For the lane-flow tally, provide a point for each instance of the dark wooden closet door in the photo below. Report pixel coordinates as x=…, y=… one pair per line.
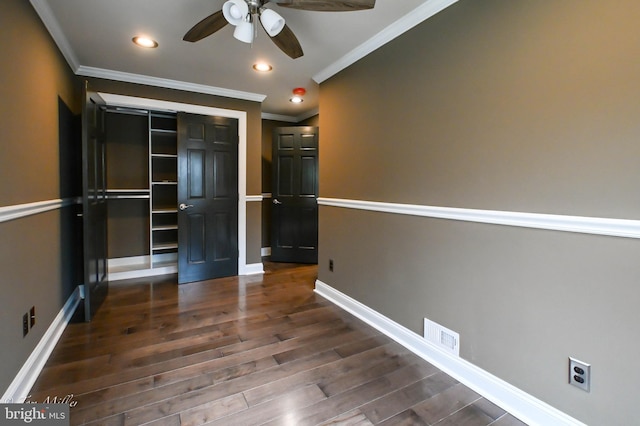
x=94, y=202
x=207, y=197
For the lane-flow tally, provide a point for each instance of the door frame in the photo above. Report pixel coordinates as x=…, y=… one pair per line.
x=296, y=202
x=241, y=116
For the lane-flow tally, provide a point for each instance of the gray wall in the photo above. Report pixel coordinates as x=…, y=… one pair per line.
x=35, y=252
x=500, y=105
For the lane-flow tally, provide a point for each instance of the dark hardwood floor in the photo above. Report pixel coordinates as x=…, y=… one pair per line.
x=246, y=351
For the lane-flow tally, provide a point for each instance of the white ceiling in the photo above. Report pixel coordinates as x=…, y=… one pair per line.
x=95, y=38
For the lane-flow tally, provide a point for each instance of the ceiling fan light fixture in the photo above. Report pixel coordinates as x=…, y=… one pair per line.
x=235, y=11
x=244, y=32
x=272, y=22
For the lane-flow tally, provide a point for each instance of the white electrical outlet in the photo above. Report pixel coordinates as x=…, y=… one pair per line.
x=580, y=374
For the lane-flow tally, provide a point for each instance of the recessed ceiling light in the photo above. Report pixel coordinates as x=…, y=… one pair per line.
x=145, y=42
x=262, y=67
x=296, y=100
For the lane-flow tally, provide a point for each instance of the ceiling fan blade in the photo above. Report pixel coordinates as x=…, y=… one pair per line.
x=288, y=43
x=327, y=5
x=206, y=27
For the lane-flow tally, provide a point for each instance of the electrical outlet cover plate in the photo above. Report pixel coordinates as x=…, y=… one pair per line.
x=580, y=374
x=25, y=324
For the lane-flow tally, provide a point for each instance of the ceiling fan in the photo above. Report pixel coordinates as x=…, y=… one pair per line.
x=244, y=14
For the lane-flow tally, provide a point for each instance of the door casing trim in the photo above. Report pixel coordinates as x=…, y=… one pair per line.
x=241, y=116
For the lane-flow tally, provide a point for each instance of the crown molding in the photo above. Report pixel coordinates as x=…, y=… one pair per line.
x=290, y=118
x=308, y=114
x=415, y=17
x=402, y=25
x=53, y=26
x=279, y=117
x=167, y=83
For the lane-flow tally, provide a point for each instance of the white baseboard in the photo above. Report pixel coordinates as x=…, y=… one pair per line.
x=265, y=251
x=21, y=385
x=138, y=267
x=517, y=402
x=253, y=269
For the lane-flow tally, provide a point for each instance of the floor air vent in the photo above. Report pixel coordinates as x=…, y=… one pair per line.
x=442, y=337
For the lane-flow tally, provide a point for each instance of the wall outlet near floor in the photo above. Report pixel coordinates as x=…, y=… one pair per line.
x=580, y=374
x=25, y=324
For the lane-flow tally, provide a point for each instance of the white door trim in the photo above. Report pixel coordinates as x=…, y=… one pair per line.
x=241, y=116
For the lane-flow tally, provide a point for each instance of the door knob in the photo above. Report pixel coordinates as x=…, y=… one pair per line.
x=276, y=201
x=184, y=206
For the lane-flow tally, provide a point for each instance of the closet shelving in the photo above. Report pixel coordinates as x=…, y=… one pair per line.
x=143, y=184
x=128, y=194
x=163, y=181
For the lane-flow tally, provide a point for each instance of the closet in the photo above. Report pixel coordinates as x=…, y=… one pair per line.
x=142, y=177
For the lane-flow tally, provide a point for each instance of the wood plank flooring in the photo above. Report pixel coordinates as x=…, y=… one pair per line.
x=258, y=350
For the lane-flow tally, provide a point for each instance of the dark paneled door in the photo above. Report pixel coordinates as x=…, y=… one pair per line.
x=94, y=202
x=294, y=217
x=207, y=197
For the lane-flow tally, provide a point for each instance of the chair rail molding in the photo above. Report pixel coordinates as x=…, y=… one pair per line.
x=582, y=224
x=23, y=210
